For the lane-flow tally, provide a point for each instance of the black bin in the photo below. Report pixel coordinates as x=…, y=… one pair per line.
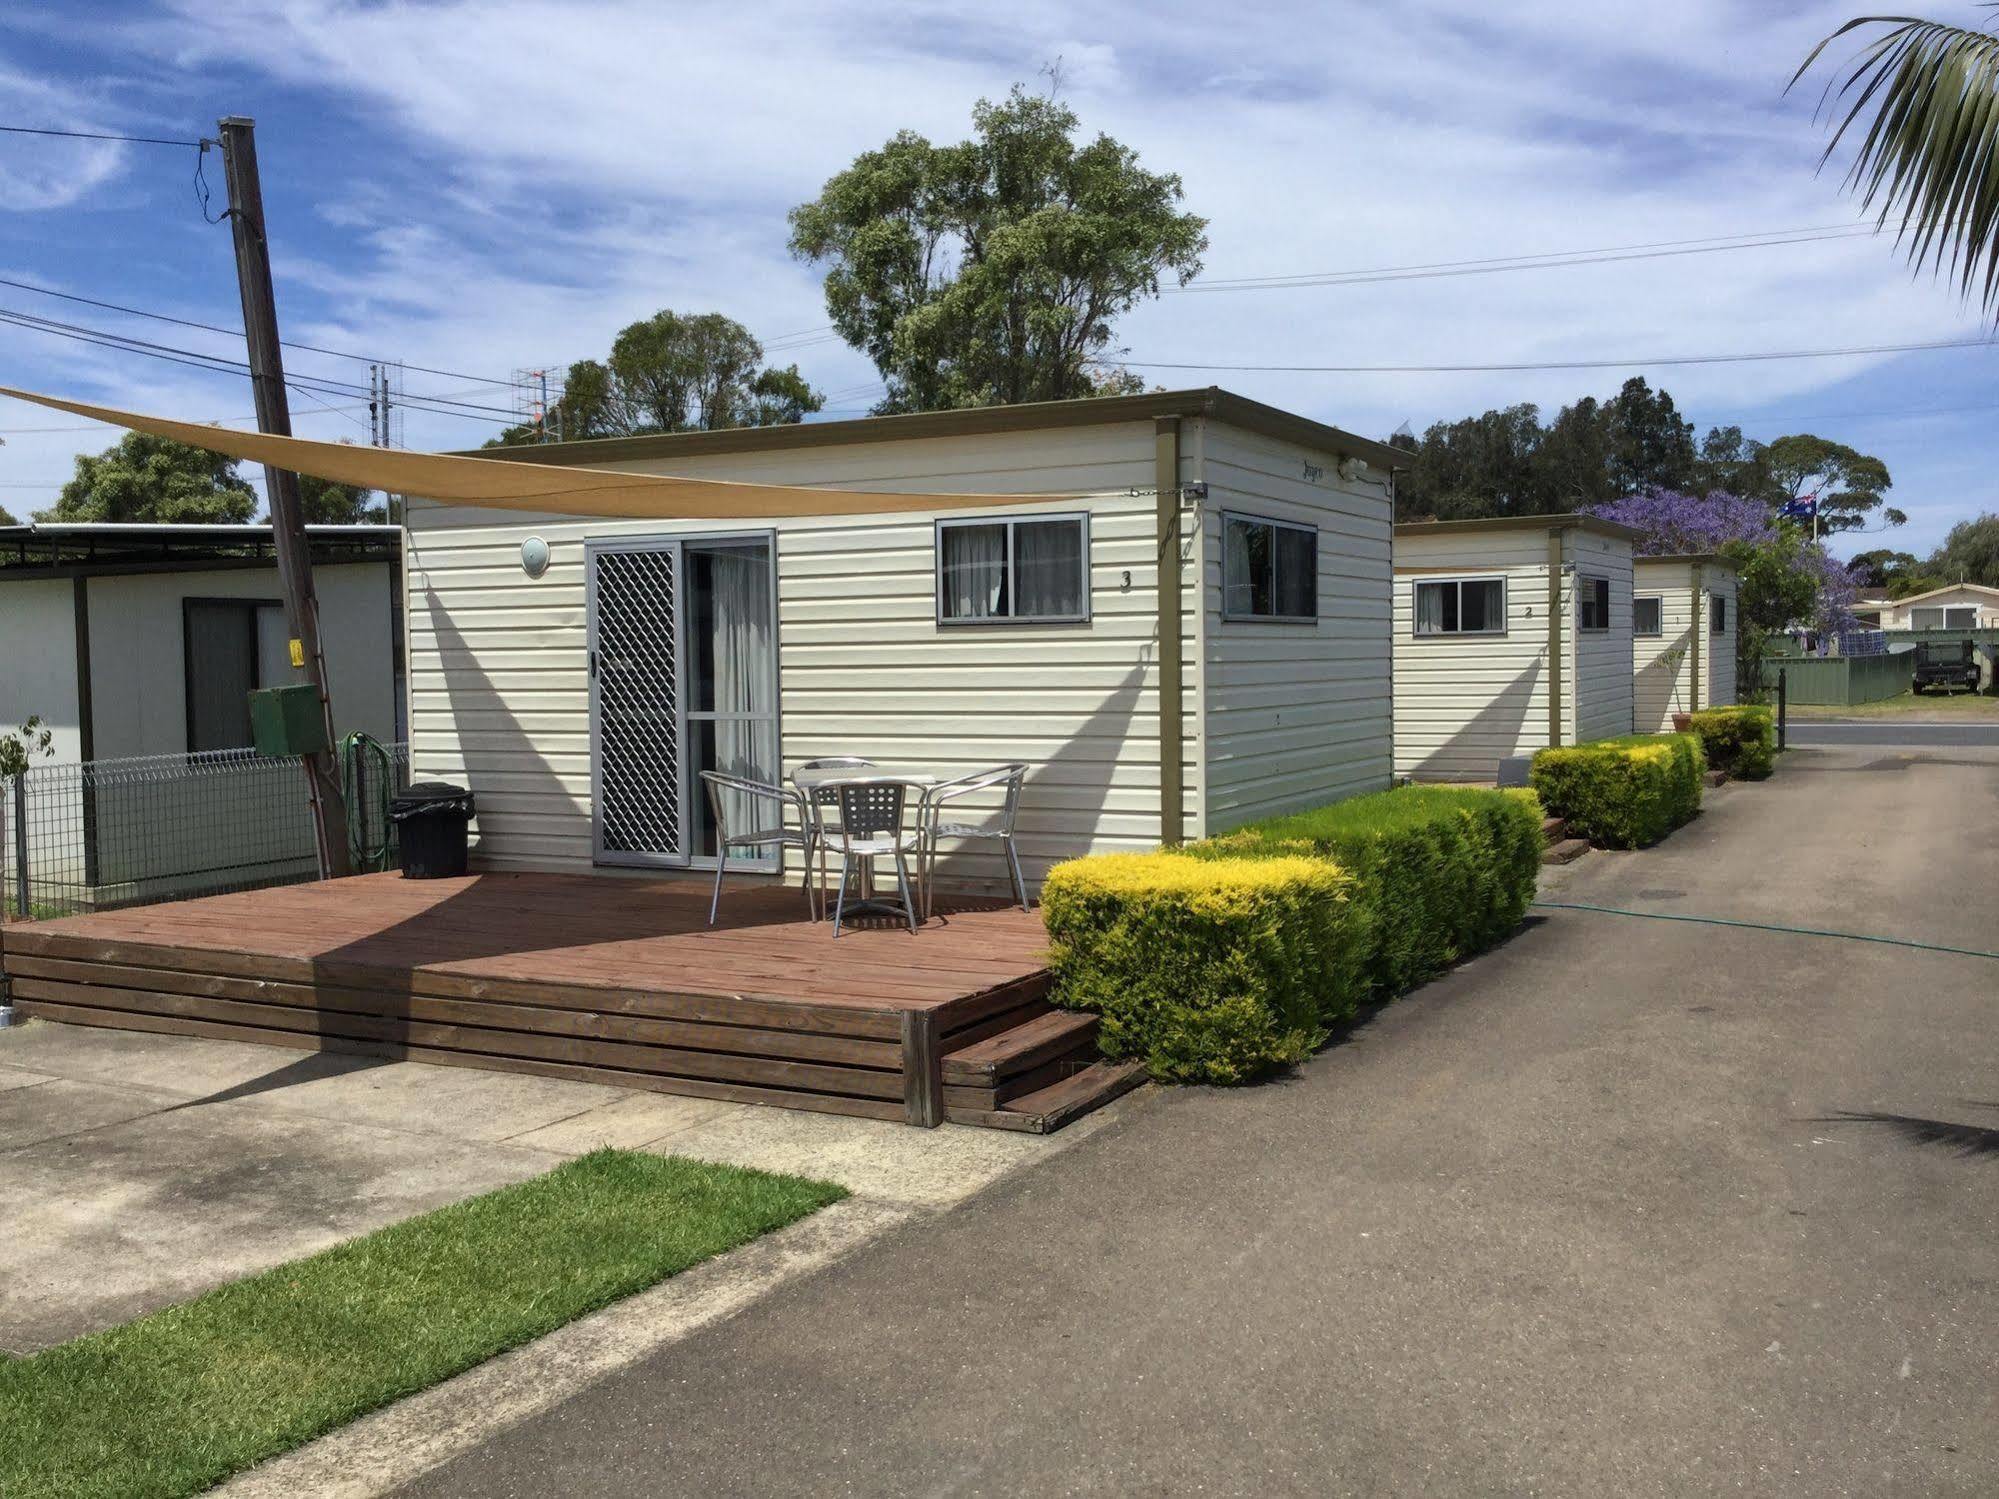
x=430, y=819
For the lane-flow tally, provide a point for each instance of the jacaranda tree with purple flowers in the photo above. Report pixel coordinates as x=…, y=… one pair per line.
x=1784, y=578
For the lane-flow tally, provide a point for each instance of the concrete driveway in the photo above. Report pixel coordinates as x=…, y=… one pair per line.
x=1626, y=1207
x=137, y=1170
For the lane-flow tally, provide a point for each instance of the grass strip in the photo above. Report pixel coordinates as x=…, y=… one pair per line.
x=174, y=1402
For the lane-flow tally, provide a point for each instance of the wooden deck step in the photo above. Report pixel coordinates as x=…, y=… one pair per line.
x=1047, y=1109
x=1717, y=778
x=1054, y=1036
x=1565, y=852
x=1554, y=829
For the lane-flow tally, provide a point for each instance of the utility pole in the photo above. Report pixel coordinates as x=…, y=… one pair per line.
x=267, y=381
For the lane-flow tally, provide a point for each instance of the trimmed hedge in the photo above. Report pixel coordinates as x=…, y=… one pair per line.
x=1741, y=740
x=1211, y=971
x=1623, y=793
x=1441, y=872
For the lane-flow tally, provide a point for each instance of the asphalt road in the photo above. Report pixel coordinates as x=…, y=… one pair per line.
x=1888, y=731
x=1628, y=1207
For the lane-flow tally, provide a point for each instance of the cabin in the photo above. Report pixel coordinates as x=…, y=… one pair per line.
x=1683, y=637
x=1961, y=606
x=1512, y=633
x=579, y=673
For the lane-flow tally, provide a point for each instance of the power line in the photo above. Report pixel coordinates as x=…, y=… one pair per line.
x=1552, y=260
x=1557, y=364
x=98, y=135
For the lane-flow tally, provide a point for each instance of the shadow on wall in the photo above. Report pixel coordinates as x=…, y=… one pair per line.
x=1085, y=765
x=1497, y=730
x=1661, y=687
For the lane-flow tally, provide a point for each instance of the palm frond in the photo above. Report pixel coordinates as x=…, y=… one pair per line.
x=1930, y=151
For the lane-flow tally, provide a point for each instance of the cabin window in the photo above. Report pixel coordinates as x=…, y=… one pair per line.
x=1270, y=570
x=1646, y=618
x=231, y=648
x=1943, y=617
x=1717, y=614
x=1592, y=603
x=1461, y=606
x=1032, y=570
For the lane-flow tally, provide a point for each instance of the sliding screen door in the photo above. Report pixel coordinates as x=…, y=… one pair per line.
x=683, y=678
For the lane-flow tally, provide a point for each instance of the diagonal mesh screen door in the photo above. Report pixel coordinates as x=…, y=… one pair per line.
x=635, y=694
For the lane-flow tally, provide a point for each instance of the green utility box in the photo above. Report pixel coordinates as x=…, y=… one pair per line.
x=287, y=721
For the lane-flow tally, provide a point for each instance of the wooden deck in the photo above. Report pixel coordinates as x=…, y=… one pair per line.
x=602, y=979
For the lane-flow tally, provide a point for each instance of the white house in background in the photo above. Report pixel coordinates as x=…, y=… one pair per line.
x=579, y=673
x=146, y=640
x=1962, y=606
x=1511, y=633
x=1683, y=636
x=135, y=641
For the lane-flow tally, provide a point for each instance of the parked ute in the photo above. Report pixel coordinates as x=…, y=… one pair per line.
x=1945, y=663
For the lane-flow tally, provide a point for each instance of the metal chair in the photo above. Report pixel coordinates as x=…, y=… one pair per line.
x=932, y=824
x=758, y=793
x=824, y=798
x=870, y=826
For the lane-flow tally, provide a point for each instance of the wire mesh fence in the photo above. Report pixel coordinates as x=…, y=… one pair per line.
x=112, y=833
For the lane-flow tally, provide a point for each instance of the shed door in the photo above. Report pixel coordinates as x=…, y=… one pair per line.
x=640, y=803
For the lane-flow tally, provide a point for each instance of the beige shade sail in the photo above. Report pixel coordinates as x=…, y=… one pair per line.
x=498, y=484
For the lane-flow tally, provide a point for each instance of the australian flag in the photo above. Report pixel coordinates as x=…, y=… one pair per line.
x=1804, y=507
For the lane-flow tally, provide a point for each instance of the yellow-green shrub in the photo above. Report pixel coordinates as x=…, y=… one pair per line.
x=1209, y=971
x=1741, y=740
x=1441, y=872
x=1623, y=793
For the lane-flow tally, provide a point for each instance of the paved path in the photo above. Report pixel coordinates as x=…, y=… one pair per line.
x=1627, y=1207
x=1890, y=731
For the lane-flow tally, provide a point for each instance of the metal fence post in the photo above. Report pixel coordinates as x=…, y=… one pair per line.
x=1783, y=705
x=21, y=908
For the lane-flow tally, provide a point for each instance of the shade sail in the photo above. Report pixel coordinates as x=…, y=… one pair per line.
x=500, y=484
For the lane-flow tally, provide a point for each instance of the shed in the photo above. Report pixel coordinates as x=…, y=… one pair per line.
x=1683, y=629
x=580, y=672
x=1511, y=633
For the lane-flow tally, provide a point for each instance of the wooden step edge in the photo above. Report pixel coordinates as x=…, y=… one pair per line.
x=1042, y=1039
x=1566, y=852
x=999, y=1091
x=1554, y=829
x=1069, y=1100
x=1716, y=778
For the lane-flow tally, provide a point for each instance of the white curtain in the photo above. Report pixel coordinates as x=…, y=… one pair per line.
x=1430, y=607
x=974, y=571
x=1048, y=569
x=740, y=614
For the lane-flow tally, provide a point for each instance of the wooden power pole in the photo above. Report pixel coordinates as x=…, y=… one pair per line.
x=267, y=380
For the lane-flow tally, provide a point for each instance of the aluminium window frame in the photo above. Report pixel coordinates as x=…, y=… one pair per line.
x=1648, y=598
x=1002, y=621
x=1231, y=616
x=1459, y=580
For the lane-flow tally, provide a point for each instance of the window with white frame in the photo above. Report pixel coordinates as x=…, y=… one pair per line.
x=1270, y=570
x=1592, y=603
x=1647, y=617
x=1944, y=617
x=1031, y=570
x=1717, y=614
x=1460, y=606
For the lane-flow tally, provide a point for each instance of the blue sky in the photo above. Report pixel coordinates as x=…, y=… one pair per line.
x=488, y=185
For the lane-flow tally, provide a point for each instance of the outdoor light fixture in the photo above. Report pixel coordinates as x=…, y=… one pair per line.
x=534, y=556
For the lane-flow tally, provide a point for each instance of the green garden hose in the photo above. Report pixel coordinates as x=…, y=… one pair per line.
x=367, y=781
x=1766, y=926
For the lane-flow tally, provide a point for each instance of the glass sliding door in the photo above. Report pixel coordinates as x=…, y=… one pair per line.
x=730, y=630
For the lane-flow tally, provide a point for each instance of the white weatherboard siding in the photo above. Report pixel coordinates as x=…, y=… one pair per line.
x=1296, y=715
x=1600, y=687
x=38, y=662
x=499, y=689
x=1720, y=649
x=1463, y=703
x=1662, y=664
